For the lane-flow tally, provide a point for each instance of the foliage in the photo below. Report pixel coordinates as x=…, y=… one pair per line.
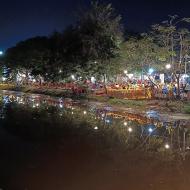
x=175, y=39
x=84, y=49
x=101, y=36
x=95, y=46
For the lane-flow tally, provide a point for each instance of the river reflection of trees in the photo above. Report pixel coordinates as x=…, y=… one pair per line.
x=43, y=117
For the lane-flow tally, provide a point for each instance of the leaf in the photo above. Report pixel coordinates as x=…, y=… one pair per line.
x=186, y=20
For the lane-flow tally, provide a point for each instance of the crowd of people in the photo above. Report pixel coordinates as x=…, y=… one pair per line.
x=129, y=89
x=157, y=90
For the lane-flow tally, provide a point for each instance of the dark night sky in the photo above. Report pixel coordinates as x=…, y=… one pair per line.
x=21, y=19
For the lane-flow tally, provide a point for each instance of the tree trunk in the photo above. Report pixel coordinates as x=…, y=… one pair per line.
x=105, y=88
x=152, y=82
x=178, y=86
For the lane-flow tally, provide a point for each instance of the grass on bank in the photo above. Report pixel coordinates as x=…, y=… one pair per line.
x=187, y=108
x=50, y=92
x=119, y=102
x=128, y=103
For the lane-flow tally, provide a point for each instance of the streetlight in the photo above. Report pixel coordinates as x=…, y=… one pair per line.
x=130, y=129
x=73, y=77
x=168, y=66
x=151, y=70
x=150, y=130
x=125, y=71
x=167, y=146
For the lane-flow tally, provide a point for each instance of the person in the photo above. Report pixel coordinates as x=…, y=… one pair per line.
x=165, y=91
x=174, y=91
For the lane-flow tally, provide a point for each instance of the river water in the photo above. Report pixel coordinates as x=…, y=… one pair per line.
x=54, y=144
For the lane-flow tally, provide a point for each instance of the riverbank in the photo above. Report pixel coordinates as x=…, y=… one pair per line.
x=163, y=106
x=36, y=90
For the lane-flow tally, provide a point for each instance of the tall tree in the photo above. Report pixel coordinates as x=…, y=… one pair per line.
x=172, y=36
x=141, y=54
x=101, y=35
x=26, y=56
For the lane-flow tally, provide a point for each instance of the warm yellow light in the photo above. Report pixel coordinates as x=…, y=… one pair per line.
x=167, y=146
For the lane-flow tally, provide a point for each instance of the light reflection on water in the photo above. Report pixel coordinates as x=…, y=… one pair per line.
x=144, y=132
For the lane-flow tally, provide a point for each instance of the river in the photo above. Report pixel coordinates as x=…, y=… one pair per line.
x=53, y=143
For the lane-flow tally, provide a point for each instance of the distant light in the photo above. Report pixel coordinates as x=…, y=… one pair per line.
x=72, y=113
x=85, y=112
x=60, y=71
x=185, y=76
x=125, y=123
x=130, y=129
x=37, y=104
x=150, y=130
x=167, y=146
x=73, y=77
x=130, y=76
x=151, y=70
x=1, y=52
x=34, y=80
x=93, y=79
x=168, y=66
x=107, y=121
x=125, y=71
x=61, y=105
x=96, y=128
x=117, y=85
x=3, y=79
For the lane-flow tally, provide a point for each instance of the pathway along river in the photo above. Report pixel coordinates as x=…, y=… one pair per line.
x=58, y=144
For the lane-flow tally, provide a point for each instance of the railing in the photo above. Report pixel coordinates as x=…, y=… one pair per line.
x=145, y=93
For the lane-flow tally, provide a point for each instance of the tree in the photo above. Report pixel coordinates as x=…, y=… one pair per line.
x=28, y=56
x=101, y=36
x=142, y=54
x=175, y=39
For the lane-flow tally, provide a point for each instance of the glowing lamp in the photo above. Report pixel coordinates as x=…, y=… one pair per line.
x=168, y=66
x=167, y=146
x=150, y=130
x=130, y=129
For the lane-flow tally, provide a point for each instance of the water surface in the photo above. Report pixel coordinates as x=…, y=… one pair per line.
x=53, y=143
